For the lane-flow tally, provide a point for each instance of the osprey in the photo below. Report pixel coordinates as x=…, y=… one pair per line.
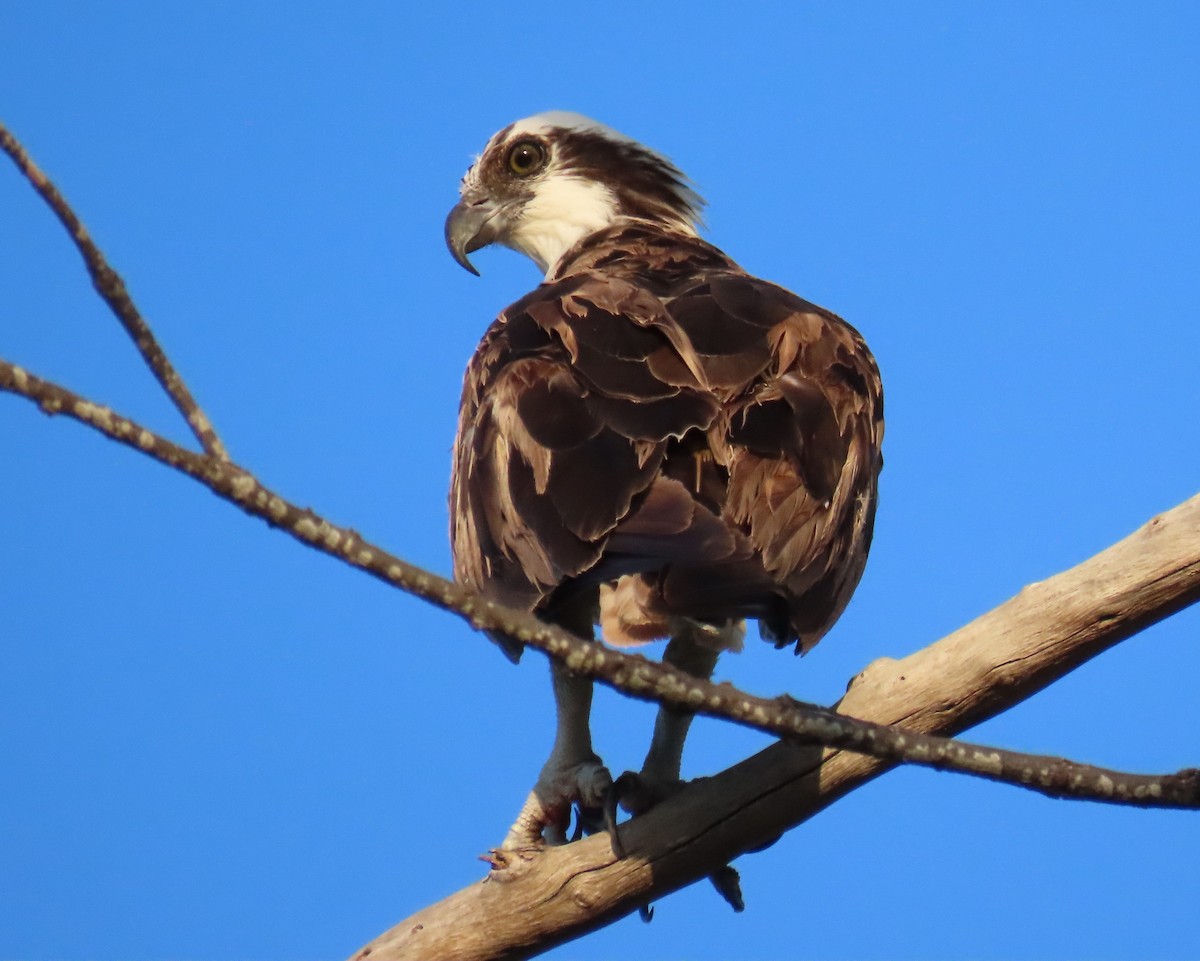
x=652, y=439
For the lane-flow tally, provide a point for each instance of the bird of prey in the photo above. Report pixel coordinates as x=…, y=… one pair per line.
x=651, y=440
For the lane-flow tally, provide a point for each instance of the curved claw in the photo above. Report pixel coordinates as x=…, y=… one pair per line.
x=593, y=820
x=610, y=822
x=588, y=821
x=728, y=883
x=546, y=815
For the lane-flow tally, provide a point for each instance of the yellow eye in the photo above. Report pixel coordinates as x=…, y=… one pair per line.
x=526, y=158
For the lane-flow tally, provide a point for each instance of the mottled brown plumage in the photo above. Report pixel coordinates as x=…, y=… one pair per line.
x=651, y=438
x=652, y=410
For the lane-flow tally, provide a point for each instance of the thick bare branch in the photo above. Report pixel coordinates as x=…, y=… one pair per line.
x=112, y=290
x=978, y=671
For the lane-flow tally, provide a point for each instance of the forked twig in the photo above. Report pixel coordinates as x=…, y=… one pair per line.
x=112, y=290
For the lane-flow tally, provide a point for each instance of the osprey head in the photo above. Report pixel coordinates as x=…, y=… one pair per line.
x=544, y=183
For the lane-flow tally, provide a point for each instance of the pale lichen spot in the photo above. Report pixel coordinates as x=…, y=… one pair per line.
x=307, y=529
x=94, y=413
x=365, y=558
x=278, y=510
x=20, y=378
x=332, y=538
x=640, y=679
x=1104, y=785
x=989, y=761
x=242, y=486
x=145, y=440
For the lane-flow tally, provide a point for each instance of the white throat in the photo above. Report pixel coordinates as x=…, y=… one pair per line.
x=562, y=212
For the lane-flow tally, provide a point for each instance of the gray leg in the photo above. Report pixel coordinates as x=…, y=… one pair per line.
x=573, y=773
x=693, y=648
x=671, y=727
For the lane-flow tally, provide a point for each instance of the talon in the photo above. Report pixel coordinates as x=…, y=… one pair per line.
x=610, y=823
x=646, y=913
x=729, y=885
x=589, y=820
x=602, y=817
x=546, y=816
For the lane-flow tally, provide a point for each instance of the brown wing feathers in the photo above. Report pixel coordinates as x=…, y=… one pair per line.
x=658, y=413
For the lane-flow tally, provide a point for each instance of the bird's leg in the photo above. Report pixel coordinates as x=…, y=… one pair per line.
x=693, y=648
x=573, y=774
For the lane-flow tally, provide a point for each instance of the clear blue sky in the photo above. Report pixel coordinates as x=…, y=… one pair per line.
x=218, y=746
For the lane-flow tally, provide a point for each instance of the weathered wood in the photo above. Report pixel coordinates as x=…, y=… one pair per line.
x=994, y=662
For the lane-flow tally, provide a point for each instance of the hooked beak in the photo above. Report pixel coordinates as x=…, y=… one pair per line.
x=474, y=223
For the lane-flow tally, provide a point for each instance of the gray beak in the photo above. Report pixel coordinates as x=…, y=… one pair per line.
x=472, y=224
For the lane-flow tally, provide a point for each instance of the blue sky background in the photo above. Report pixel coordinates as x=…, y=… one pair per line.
x=216, y=745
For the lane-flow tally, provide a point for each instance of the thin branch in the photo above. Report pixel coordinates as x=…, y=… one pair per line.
x=631, y=674
x=112, y=290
